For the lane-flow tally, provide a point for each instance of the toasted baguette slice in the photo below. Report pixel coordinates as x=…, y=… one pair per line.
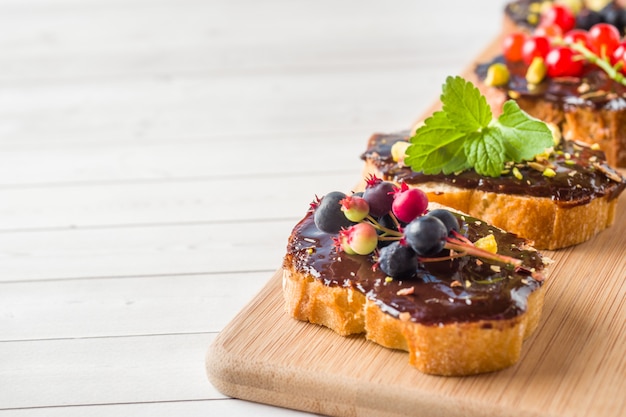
x=467, y=326
x=579, y=202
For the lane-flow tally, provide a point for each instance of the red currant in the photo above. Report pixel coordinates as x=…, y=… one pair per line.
x=512, y=46
x=563, y=62
x=559, y=15
x=619, y=57
x=603, y=39
x=549, y=31
x=577, y=36
x=535, y=46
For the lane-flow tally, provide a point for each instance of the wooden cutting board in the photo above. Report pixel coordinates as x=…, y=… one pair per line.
x=573, y=365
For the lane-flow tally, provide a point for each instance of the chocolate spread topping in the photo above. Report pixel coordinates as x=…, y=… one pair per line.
x=594, y=89
x=484, y=293
x=579, y=174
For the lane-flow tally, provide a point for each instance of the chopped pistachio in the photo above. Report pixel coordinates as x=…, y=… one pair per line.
x=487, y=243
x=537, y=166
x=398, y=151
x=549, y=172
x=536, y=71
x=497, y=75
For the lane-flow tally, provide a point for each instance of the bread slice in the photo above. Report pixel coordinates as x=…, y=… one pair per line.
x=590, y=109
x=455, y=317
x=552, y=212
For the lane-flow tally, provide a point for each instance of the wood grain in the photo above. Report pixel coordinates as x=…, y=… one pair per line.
x=574, y=365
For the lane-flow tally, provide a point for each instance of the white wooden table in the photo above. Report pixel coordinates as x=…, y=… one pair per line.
x=154, y=155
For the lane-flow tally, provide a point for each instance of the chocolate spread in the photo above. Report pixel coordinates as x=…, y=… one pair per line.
x=594, y=89
x=459, y=290
x=578, y=178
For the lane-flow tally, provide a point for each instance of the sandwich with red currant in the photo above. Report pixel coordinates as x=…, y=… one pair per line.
x=569, y=70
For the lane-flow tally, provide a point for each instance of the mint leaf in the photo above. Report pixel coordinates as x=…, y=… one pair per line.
x=466, y=108
x=464, y=135
x=524, y=136
x=439, y=149
x=485, y=152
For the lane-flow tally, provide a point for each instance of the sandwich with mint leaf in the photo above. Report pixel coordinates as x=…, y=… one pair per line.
x=512, y=171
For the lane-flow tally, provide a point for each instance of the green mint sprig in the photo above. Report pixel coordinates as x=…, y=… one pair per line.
x=464, y=135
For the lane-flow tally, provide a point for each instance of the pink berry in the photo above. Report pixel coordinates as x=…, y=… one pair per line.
x=341, y=243
x=409, y=203
x=362, y=238
x=355, y=208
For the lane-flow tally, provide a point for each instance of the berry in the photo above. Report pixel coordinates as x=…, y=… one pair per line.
x=563, y=62
x=603, y=39
x=397, y=260
x=426, y=235
x=535, y=46
x=577, y=36
x=512, y=46
x=328, y=216
x=549, y=31
x=379, y=195
x=362, y=238
x=447, y=218
x=587, y=18
x=614, y=15
x=341, y=243
x=389, y=222
x=619, y=57
x=560, y=16
x=355, y=208
x=408, y=203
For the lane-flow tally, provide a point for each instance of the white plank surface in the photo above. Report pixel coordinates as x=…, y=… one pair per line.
x=154, y=155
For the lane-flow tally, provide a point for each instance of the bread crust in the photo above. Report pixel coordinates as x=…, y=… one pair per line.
x=452, y=349
x=546, y=224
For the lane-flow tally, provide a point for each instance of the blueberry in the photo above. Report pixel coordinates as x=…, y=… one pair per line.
x=448, y=219
x=587, y=18
x=426, y=235
x=328, y=216
x=397, y=260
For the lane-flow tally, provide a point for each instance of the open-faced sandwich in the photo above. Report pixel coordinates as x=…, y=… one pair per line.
x=455, y=292
x=513, y=172
x=568, y=69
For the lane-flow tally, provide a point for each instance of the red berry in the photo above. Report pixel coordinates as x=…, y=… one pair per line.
x=603, y=39
x=563, y=62
x=535, y=46
x=512, y=46
x=549, y=31
x=409, y=203
x=559, y=15
x=619, y=57
x=577, y=36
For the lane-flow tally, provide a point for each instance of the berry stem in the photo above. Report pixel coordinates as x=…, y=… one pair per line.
x=389, y=232
x=469, y=249
x=604, y=64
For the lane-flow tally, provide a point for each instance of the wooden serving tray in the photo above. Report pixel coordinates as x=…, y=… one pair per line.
x=573, y=365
